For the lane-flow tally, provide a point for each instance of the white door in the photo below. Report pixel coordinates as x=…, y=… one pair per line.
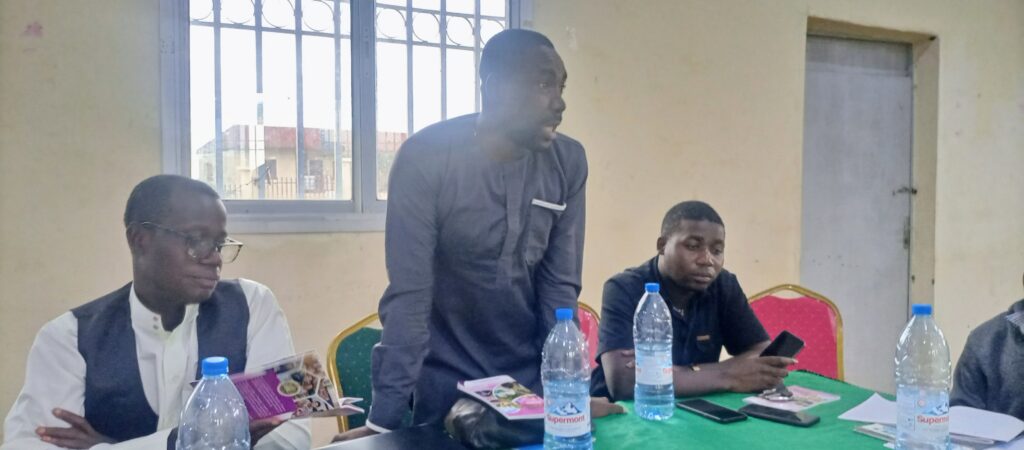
x=856, y=195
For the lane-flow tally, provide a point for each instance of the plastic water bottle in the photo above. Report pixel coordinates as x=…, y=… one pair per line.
x=922, y=384
x=565, y=372
x=214, y=417
x=653, y=393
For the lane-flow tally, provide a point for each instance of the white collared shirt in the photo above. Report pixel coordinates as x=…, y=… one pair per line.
x=55, y=373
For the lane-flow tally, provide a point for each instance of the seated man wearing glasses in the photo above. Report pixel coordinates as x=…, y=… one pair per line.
x=115, y=372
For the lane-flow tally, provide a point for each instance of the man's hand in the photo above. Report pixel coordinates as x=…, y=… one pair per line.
x=260, y=428
x=354, y=433
x=600, y=407
x=79, y=435
x=756, y=373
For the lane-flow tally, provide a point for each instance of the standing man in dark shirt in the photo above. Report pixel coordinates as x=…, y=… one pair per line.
x=483, y=241
x=708, y=310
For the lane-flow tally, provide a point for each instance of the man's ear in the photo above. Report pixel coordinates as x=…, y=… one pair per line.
x=661, y=245
x=138, y=239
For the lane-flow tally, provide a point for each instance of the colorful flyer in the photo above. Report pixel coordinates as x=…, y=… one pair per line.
x=507, y=396
x=297, y=386
x=803, y=398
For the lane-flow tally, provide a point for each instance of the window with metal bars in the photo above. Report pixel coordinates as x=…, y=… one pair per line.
x=294, y=109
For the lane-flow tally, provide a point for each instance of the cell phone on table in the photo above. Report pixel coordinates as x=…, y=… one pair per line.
x=797, y=418
x=786, y=344
x=711, y=411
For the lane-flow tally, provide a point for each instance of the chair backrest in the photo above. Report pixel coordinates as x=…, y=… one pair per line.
x=811, y=317
x=590, y=325
x=348, y=365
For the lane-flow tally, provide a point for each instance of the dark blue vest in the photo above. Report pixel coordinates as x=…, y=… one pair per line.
x=115, y=403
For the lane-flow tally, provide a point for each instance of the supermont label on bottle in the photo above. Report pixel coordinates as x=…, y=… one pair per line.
x=924, y=412
x=654, y=369
x=567, y=418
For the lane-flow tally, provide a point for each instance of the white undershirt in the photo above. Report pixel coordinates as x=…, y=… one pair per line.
x=55, y=373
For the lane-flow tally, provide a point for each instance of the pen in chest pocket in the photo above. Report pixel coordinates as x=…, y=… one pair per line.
x=548, y=205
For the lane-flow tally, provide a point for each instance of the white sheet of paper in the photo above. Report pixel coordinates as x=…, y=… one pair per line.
x=1016, y=444
x=873, y=410
x=981, y=423
x=962, y=419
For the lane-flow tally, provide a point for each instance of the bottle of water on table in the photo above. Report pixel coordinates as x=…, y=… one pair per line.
x=214, y=417
x=565, y=372
x=653, y=393
x=922, y=384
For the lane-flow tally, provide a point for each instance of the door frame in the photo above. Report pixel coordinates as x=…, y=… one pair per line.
x=924, y=141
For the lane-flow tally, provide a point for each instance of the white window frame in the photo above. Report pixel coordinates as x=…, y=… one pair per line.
x=364, y=212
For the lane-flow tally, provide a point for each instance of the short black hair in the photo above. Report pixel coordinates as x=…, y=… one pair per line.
x=150, y=199
x=505, y=51
x=688, y=210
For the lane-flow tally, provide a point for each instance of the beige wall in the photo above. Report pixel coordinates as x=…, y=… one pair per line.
x=979, y=218
x=682, y=99
x=673, y=99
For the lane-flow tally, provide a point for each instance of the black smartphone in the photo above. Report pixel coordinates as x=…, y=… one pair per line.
x=797, y=418
x=785, y=344
x=711, y=411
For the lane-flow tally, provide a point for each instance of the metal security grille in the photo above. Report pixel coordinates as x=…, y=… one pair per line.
x=311, y=99
x=438, y=41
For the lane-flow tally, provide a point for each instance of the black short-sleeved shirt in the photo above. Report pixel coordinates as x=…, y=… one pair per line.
x=720, y=316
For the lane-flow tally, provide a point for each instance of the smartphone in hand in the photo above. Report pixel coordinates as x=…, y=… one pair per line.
x=785, y=344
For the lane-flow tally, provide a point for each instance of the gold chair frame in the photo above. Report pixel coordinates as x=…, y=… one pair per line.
x=809, y=293
x=590, y=310
x=332, y=363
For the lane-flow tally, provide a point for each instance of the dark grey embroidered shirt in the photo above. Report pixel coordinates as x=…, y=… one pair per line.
x=479, y=254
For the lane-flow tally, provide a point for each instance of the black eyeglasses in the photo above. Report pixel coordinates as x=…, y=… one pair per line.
x=201, y=248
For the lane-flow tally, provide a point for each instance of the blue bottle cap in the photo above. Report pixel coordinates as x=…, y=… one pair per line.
x=563, y=314
x=920, y=309
x=652, y=287
x=215, y=365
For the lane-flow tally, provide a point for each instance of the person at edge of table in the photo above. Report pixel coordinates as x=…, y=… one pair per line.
x=708, y=308
x=115, y=373
x=990, y=373
x=483, y=240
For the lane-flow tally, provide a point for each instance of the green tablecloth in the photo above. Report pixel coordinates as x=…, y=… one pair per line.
x=689, y=431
